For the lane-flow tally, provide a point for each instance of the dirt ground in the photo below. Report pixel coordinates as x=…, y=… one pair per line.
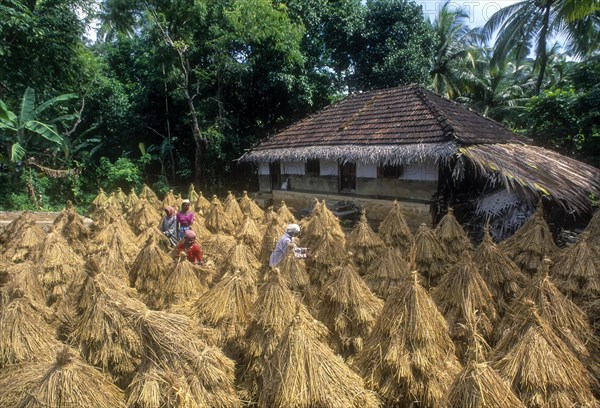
x=42, y=218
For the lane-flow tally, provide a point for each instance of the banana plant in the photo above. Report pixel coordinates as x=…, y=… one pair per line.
x=18, y=133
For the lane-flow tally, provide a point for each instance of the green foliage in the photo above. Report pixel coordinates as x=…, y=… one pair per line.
x=123, y=173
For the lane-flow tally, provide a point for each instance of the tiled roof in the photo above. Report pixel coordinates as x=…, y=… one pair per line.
x=406, y=115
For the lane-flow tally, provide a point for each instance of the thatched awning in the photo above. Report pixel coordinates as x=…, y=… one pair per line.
x=568, y=181
x=384, y=154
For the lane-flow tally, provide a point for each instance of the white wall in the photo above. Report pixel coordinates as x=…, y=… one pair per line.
x=296, y=168
x=366, y=170
x=425, y=171
x=263, y=169
x=328, y=167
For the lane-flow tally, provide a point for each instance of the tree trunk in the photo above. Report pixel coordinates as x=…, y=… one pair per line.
x=542, y=54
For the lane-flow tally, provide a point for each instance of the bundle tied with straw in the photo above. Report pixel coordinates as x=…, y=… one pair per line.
x=531, y=243
x=394, y=231
x=388, y=271
x=240, y=258
x=60, y=266
x=149, y=195
x=285, y=215
x=71, y=226
x=326, y=257
x=121, y=197
x=349, y=309
x=304, y=372
x=154, y=233
x=249, y=207
x=143, y=216
x=250, y=235
x=24, y=242
x=183, y=283
x=25, y=218
x=293, y=270
x=226, y=307
x=148, y=271
x=364, y=243
x=178, y=368
x=170, y=200
x=201, y=204
x=131, y=200
x=429, y=256
x=217, y=247
x=452, y=235
x=577, y=271
x=539, y=366
x=567, y=320
x=25, y=277
x=321, y=221
x=271, y=216
x=270, y=238
x=216, y=220
x=503, y=277
x=65, y=382
x=105, y=217
x=99, y=202
x=232, y=209
x=192, y=195
x=461, y=292
x=409, y=355
x=26, y=335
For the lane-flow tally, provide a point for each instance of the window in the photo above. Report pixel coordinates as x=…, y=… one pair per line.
x=313, y=167
x=389, y=171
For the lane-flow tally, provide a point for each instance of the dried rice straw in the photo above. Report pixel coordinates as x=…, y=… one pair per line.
x=216, y=220
x=232, y=209
x=249, y=207
x=364, y=243
x=394, y=231
x=452, y=235
x=388, y=271
x=429, y=256
x=285, y=215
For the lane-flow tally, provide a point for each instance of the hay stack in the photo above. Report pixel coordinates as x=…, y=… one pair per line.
x=66, y=381
x=478, y=385
x=143, y=216
x=24, y=242
x=216, y=248
x=99, y=202
x=364, y=243
x=531, y=243
x=270, y=238
x=321, y=221
x=232, y=209
x=349, y=309
x=503, y=277
x=120, y=196
x=304, y=372
x=192, y=195
x=154, y=233
x=117, y=227
x=183, y=283
x=151, y=197
x=24, y=277
x=25, y=218
x=105, y=217
x=148, y=272
x=105, y=336
x=178, y=368
x=271, y=216
x=539, y=366
x=170, y=200
x=59, y=265
x=115, y=248
x=394, y=231
x=326, y=256
x=388, y=271
x=25, y=334
x=293, y=270
x=452, y=235
x=216, y=220
x=249, y=207
x=71, y=226
x=577, y=271
x=250, y=235
x=409, y=355
x=429, y=256
x=240, y=258
x=201, y=204
x=460, y=293
x=131, y=200
x=285, y=215
x=226, y=307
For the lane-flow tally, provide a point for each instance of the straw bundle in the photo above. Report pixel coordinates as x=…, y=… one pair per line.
x=250, y=235
x=143, y=216
x=452, y=235
x=59, y=264
x=577, y=271
x=217, y=247
x=321, y=221
x=271, y=216
x=326, y=256
x=182, y=284
x=216, y=220
x=364, y=243
x=71, y=226
x=117, y=227
x=240, y=258
x=429, y=256
x=106, y=338
x=131, y=200
x=304, y=372
x=232, y=209
x=270, y=238
x=293, y=270
x=531, y=243
x=154, y=233
x=592, y=308
x=503, y=277
x=121, y=196
x=117, y=257
x=409, y=355
x=349, y=309
x=23, y=242
x=66, y=382
x=149, y=195
x=170, y=200
x=25, y=218
x=99, y=202
x=192, y=195
x=226, y=307
x=178, y=368
x=148, y=272
x=394, y=231
x=285, y=215
x=25, y=335
x=388, y=271
x=249, y=207
x=113, y=201
x=460, y=292
x=539, y=366
x=24, y=277
x=201, y=204
x=478, y=385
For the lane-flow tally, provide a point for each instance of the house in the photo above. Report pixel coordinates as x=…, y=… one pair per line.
x=410, y=144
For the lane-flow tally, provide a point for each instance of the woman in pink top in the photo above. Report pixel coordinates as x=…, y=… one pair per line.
x=185, y=218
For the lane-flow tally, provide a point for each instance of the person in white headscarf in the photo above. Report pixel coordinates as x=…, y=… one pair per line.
x=286, y=240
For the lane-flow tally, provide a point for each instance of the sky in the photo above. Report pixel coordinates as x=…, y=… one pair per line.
x=479, y=11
